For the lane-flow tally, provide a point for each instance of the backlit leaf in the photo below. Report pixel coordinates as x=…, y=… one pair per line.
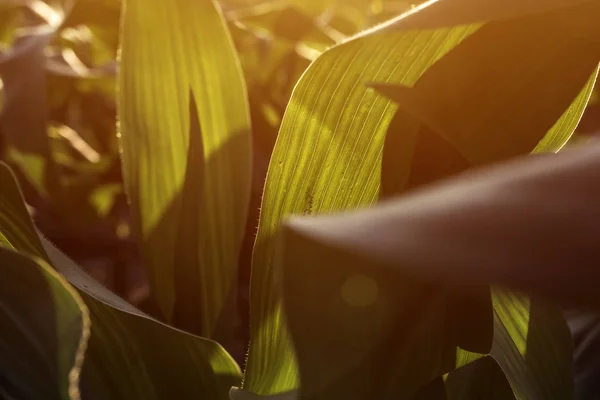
x=185, y=130
x=328, y=153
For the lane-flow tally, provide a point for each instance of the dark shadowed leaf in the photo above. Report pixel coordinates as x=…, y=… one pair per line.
x=533, y=346
x=185, y=129
x=130, y=355
x=45, y=328
x=24, y=114
x=434, y=390
x=375, y=315
x=518, y=224
x=367, y=316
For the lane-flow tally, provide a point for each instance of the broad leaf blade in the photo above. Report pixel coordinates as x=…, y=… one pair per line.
x=45, y=328
x=130, y=355
x=184, y=123
x=327, y=158
x=533, y=346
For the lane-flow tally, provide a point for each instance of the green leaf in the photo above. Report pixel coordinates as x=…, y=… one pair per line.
x=328, y=155
x=45, y=328
x=185, y=129
x=316, y=166
x=434, y=390
x=130, y=355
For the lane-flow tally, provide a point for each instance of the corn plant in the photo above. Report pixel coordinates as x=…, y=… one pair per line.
x=408, y=245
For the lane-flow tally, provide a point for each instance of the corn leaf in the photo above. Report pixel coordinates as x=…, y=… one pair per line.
x=326, y=158
x=329, y=150
x=45, y=328
x=130, y=355
x=366, y=316
x=184, y=124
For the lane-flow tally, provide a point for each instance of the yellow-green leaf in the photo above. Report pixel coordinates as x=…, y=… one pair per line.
x=327, y=158
x=45, y=329
x=185, y=132
x=328, y=152
x=130, y=355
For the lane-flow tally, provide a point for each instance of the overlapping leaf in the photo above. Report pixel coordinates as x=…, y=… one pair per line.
x=45, y=328
x=328, y=152
x=368, y=315
x=326, y=158
x=130, y=355
x=528, y=203
x=186, y=151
